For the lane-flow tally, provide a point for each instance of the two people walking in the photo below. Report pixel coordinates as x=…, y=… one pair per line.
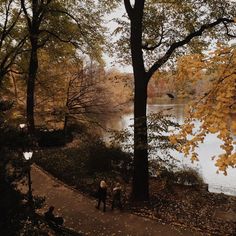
x=102, y=196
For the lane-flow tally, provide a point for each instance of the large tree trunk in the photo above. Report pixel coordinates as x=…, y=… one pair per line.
x=33, y=27
x=33, y=68
x=140, y=176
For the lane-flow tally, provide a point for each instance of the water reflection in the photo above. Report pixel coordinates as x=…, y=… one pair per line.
x=211, y=147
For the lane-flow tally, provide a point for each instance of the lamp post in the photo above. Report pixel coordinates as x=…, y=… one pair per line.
x=28, y=156
x=23, y=129
x=22, y=126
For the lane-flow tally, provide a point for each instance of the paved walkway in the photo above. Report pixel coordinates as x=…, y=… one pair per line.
x=81, y=215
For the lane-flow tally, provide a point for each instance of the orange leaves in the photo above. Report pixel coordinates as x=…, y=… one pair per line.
x=215, y=109
x=224, y=161
x=173, y=139
x=187, y=128
x=233, y=127
x=194, y=157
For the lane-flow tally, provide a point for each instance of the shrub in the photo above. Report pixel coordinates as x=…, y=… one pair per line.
x=51, y=138
x=99, y=158
x=186, y=176
x=89, y=160
x=189, y=176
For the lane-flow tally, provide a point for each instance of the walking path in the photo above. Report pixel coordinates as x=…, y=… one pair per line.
x=81, y=215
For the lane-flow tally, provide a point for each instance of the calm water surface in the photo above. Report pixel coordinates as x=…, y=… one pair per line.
x=211, y=147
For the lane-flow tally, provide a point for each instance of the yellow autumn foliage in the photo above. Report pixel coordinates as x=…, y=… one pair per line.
x=215, y=108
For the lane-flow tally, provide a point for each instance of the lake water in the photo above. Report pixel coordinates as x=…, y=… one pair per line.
x=218, y=183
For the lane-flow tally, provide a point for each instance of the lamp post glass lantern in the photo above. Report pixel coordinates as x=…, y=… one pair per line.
x=28, y=156
x=22, y=126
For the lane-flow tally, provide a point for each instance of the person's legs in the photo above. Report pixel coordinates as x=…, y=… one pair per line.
x=99, y=202
x=104, y=205
x=116, y=203
x=119, y=204
x=112, y=205
x=59, y=220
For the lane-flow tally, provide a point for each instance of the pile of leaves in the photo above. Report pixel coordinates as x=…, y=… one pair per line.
x=189, y=207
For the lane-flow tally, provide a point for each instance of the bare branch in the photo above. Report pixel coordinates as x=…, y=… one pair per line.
x=139, y=6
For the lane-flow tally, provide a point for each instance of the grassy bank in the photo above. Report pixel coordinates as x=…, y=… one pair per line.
x=85, y=166
x=171, y=200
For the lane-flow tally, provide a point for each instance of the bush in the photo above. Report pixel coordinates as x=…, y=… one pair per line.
x=60, y=163
x=105, y=159
x=99, y=158
x=186, y=176
x=89, y=160
x=189, y=176
x=51, y=138
x=13, y=138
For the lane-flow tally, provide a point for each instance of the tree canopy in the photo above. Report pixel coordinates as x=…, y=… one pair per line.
x=173, y=28
x=12, y=36
x=156, y=32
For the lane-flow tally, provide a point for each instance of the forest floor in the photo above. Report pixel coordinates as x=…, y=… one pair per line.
x=196, y=208
x=80, y=213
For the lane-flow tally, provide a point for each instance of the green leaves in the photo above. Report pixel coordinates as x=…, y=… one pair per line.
x=166, y=22
x=159, y=145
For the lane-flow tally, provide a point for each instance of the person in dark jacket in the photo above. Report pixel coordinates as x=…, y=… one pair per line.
x=116, y=200
x=102, y=195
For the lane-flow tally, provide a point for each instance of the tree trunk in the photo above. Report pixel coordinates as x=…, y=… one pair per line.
x=33, y=68
x=140, y=189
x=140, y=175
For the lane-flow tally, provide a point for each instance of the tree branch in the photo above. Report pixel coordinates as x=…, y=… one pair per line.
x=77, y=23
x=58, y=37
x=129, y=9
x=6, y=30
x=42, y=10
x=151, y=48
x=227, y=31
x=9, y=58
x=5, y=23
x=183, y=42
x=26, y=13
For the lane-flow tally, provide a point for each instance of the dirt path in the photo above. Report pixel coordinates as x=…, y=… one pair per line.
x=81, y=215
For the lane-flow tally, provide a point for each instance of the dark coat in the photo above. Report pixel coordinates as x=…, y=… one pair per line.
x=102, y=193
